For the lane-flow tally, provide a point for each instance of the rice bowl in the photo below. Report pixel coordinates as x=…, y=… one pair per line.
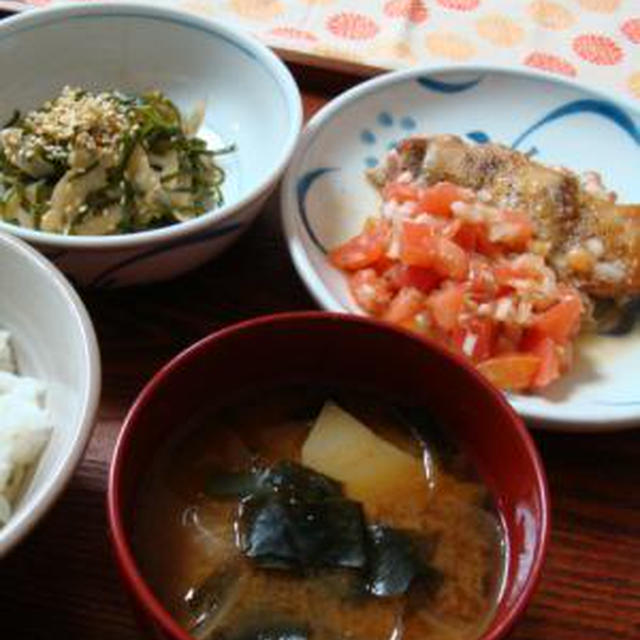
x=65, y=361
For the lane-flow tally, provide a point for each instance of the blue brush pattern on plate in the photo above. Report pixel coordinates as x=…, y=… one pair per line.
x=385, y=119
x=478, y=136
x=440, y=86
x=602, y=108
x=108, y=278
x=303, y=185
x=408, y=123
x=367, y=136
x=597, y=107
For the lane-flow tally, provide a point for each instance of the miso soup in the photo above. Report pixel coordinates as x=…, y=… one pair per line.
x=304, y=514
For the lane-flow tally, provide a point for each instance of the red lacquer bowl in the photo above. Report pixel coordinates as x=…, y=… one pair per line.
x=337, y=349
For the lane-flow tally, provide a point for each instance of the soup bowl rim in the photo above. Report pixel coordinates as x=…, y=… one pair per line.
x=498, y=627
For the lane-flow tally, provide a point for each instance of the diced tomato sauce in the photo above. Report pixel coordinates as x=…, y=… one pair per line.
x=467, y=237
x=446, y=305
x=549, y=369
x=401, y=192
x=421, y=247
x=466, y=277
x=513, y=371
x=436, y=200
x=417, y=244
x=404, y=306
x=363, y=250
x=513, y=229
x=425, y=280
x=371, y=291
x=475, y=338
x=560, y=322
x=383, y=264
x=483, y=285
x=439, y=198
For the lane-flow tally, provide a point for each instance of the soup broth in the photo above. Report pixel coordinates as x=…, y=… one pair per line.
x=428, y=565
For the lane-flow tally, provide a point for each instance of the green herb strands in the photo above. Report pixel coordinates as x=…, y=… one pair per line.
x=105, y=163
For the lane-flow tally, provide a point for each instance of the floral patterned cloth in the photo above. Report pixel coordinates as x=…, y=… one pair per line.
x=597, y=41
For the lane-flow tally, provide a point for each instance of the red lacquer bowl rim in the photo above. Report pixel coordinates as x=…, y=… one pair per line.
x=499, y=626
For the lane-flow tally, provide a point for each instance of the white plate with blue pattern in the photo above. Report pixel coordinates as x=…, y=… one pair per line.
x=326, y=196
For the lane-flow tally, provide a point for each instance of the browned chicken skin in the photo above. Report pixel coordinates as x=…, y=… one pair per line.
x=590, y=240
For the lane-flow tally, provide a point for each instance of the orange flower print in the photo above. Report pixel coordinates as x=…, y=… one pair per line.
x=551, y=15
x=392, y=51
x=412, y=10
x=603, y=6
x=257, y=9
x=500, y=30
x=459, y=5
x=550, y=63
x=598, y=49
x=631, y=29
x=445, y=44
x=352, y=26
x=292, y=33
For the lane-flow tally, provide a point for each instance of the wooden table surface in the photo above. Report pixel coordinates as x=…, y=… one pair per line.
x=61, y=582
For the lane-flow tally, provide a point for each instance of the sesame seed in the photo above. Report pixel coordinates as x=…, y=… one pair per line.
x=77, y=119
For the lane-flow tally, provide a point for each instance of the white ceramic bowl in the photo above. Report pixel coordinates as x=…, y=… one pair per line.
x=251, y=100
x=326, y=197
x=54, y=341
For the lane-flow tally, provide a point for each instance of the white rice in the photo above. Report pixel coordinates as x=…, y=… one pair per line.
x=25, y=427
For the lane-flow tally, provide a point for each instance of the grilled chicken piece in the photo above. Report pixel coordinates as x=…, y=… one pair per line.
x=590, y=240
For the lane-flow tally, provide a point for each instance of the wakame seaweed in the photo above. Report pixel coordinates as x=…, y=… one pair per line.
x=282, y=531
x=298, y=480
x=395, y=560
x=293, y=518
x=285, y=476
